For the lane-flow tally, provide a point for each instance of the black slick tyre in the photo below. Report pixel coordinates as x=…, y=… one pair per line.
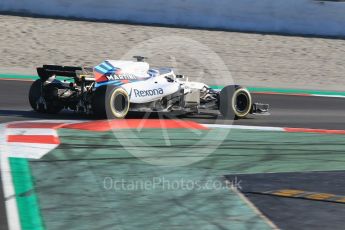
x=235, y=102
x=110, y=102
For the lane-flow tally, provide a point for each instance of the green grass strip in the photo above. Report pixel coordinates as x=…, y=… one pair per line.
x=17, y=76
x=30, y=77
x=27, y=201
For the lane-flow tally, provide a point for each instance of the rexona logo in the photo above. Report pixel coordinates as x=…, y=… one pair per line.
x=146, y=93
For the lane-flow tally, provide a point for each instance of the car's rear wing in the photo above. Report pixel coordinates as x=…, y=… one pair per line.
x=47, y=71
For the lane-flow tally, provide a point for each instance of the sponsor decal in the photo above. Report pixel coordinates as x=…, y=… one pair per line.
x=149, y=92
x=124, y=76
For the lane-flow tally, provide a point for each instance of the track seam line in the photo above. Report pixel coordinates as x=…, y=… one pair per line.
x=254, y=208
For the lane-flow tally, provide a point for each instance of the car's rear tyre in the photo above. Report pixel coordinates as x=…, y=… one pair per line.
x=52, y=105
x=235, y=102
x=110, y=102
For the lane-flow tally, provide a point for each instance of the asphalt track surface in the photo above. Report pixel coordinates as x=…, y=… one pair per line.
x=296, y=213
x=286, y=110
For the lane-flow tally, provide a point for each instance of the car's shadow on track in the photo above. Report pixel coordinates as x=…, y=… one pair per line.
x=8, y=115
x=15, y=115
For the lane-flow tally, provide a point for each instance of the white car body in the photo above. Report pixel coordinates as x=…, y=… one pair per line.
x=152, y=84
x=120, y=86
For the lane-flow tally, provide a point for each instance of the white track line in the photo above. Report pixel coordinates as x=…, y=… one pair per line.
x=51, y=121
x=254, y=208
x=326, y=95
x=261, y=128
x=7, y=185
x=29, y=150
x=31, y=131
x=16, y=150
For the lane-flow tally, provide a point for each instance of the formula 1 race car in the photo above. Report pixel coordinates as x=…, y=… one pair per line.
x=114, y=88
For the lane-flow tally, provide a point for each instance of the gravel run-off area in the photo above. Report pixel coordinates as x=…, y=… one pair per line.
x=262, y=60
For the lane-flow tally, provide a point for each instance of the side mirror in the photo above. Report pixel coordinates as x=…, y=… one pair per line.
x=140, y=58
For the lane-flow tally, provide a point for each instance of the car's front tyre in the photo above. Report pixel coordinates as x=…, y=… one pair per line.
x=235, y=102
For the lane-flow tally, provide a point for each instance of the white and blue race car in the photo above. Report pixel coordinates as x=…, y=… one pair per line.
x=114, y=88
